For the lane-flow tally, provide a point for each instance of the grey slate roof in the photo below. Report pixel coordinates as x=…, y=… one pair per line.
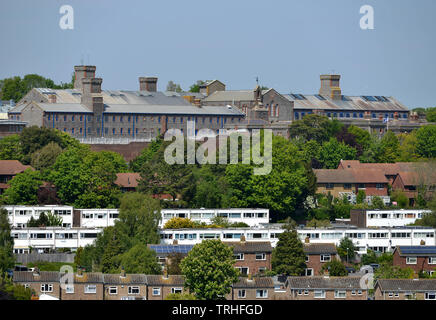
x=328, y=283
x=356, y=103
x=320, y=248
x=128, y=279
x=230, y=95
x=250, y=246
x=89, y=277
x=174, y=109
x=159, y=280
x=256, y=282
x=28, y=276
x=407, y=284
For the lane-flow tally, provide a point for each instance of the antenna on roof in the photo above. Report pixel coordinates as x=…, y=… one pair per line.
x=257, y=80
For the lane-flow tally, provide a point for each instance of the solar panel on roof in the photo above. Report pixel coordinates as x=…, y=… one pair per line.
x=369, y=98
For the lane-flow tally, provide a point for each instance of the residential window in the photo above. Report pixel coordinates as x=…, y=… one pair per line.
x=347, y=185
x=340, y=294
x=243, y=270
x=362, y=186
x=81, y=118
x=261, y=293
x=329, y=186
x=430, y=296
x=242, y=294
x=121, y=118
x=307, y=259
x=260, y=256
x=309, y=272
x=325, y=257
x=91, y=288
x=300, y=292
x=72, y=118
x=46, y=287
x=359, y=292
x=69, y=288
x=156, y=292
x=113, y=290
x=239, y=256
x=133, y=290
x=176, y=290
x=319, y=294
x=353, y=292
x=432, y=260
x=379, y=186
x=411, y=260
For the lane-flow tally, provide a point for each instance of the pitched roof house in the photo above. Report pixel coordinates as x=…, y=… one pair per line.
x=405, y=289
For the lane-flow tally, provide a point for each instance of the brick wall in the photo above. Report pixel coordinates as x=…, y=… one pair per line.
x=79, y=292
x=253, y=264
x=421, y=264
x=329, y=295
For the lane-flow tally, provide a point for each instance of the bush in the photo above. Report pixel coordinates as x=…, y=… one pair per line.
x=335, y=268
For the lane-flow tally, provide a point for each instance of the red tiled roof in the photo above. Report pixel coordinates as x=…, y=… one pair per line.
x=12, y=167
x=128, y=180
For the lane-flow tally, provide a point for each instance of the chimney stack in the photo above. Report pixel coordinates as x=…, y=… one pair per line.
x=330, y=86
x=91, y=95
x=197, y=102
x=123, y=272
x=148, y=84
x=82, y=72
x=52, y=98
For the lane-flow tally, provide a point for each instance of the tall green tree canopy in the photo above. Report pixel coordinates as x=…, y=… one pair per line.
x=23, y=188
x=288, y=257
x=208, y=270
x=426, y=137
x=6, y=243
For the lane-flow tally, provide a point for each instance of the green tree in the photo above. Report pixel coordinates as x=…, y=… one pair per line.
x=346, y=249
x=400, y=198
x=173, y=265
x=140, y=259
x=44, y=158
x=138, y=220
x=407, y=150
x=6, y=243
x=363, y=138
x=333, y=151
x=23, y=188
x=369, y=258
x=377, y=203
x=315, y=127
x=10, y=148
x=426, y=141
x=361, y=197
x=387, y=271
x=283, y=190
x=335, y=268
x=208, y=270
x=288, y=256
x=181, y=296
x=390, y=146
x=430, y=114
x=179, y=223
x=196, y=86
x=146, y=155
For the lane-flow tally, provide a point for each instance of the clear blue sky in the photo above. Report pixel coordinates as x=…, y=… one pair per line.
x=287, y=44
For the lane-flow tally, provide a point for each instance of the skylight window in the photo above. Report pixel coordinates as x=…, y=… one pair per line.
x=298, y=96
x=369, y=98
x=320, y=97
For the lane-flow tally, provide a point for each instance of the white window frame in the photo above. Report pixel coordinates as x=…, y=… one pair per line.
x=408, y=260
x=431, y=260
x=306, y=272
x=321, y=294
x=48, y=285
x=261, y=293
x=338, y=294
x=433, y=293
x=155, y=292
x=240, y=295
x=323, y=257
x=69, y=288
x=262, y=255
x=175, y=289
x=113, y=288
x=239, y=257
x=306, y=292
x=134, y=288
x=88, y=290
x=240, y=270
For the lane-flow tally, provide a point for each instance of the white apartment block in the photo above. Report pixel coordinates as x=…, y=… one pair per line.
x=377, y=239
x=20, y=215
x=42, y=239
x=252, y=217
x=101, y=218
x=393, y=218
